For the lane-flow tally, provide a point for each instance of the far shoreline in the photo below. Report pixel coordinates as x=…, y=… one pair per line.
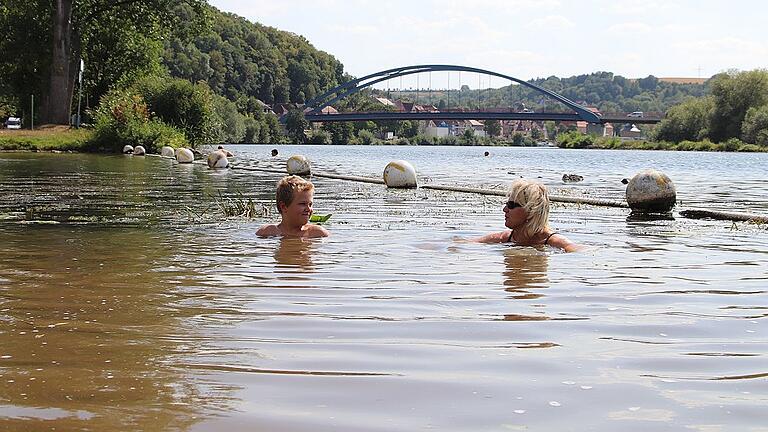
x=63, y=139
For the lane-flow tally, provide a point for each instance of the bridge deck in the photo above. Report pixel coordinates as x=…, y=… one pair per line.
x=470, y=115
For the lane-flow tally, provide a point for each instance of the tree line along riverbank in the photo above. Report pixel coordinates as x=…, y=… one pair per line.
x=62, y=138
x=182, y=73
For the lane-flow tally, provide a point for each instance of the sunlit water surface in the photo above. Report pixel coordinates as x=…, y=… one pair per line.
x=128, y=301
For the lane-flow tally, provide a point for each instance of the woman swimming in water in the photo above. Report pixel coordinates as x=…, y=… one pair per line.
x=527, y=216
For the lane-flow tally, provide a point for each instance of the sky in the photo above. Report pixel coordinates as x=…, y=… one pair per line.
x=525, y=38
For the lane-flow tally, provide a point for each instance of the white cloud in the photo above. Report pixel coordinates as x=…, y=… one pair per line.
x=641, y=8
x=629, y=29
x=354, y=29
x=717, y=55
x=551, y=22
x=525, y=38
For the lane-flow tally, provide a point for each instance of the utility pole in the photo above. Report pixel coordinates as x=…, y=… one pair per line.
x=32, y=114
x=79, y=92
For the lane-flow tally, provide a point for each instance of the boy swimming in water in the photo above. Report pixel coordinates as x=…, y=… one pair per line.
x=294, y=202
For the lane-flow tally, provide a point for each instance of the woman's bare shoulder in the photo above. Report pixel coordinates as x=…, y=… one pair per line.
x=562, y=242
x=497, y=237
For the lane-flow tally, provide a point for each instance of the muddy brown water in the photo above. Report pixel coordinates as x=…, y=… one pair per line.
x=128, y=301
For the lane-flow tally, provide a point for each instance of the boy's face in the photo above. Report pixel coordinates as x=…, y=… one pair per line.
x=300, y=208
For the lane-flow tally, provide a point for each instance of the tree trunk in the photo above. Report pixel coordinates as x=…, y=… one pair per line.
x=57, y=103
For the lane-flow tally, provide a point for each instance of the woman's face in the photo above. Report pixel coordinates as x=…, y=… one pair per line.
x=514, y=214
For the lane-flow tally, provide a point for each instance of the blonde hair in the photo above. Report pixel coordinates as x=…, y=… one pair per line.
x=287, y=188
x=534, y=198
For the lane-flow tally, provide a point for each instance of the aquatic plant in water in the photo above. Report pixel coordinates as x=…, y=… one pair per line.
x=319, y=219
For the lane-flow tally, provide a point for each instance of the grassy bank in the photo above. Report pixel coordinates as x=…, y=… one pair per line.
x=578, y=140
x=46, y=138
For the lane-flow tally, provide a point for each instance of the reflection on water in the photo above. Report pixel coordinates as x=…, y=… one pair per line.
x=88, y=325
x=526, y=268
x=295, y=252
x=128, y=302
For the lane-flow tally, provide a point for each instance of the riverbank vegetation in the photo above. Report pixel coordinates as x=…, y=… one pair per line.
x=50, y=138
x=182, y=73
x=576, y=140
x=736, y=108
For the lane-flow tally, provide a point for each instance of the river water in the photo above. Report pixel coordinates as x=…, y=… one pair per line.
x=129, y=301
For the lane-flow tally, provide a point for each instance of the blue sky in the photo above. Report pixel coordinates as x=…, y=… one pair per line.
x=526, y=38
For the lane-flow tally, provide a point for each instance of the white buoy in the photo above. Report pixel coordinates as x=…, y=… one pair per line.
x=127, y=149
x=651, y=191
x=298, y=165
x=218, y=159
x=139, y=151
x=167, y=151
x=400, y=174
x=185, y=155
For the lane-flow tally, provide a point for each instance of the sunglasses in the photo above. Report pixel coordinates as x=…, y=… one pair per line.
x=512, y=205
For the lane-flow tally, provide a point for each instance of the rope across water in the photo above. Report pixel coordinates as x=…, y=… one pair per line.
x=692, y=213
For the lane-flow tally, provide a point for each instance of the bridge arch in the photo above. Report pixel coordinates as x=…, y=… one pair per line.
x=315, y=106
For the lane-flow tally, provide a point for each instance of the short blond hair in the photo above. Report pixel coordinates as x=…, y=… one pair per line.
x=533, y=197
x=287, y=188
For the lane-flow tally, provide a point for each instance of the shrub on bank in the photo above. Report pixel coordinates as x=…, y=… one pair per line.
x=123, y=118
x=185, y=106
x=751, y=148
x=574, y=139
x=319, y=137
x=366, y=137
x=731, y=145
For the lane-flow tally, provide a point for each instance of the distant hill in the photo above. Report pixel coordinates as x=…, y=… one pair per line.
x=684, y=80
x=608, y=92
x=248, y=62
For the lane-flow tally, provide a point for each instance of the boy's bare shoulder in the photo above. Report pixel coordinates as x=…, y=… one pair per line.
x=269, y=230
x=317, y=231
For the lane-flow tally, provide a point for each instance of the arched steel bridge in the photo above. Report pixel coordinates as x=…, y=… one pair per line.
x=313, y=108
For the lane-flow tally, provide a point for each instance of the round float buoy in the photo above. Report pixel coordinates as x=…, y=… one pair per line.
x=218, y=159
x=298, y=165
x=651, y=191
x=400, y=174
x=139, y=151
x=185, y=155
x=167, y=151
x=127, y=149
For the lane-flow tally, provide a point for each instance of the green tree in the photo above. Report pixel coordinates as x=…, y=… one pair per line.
x=734, y=93
x=492, y=128
x=754, y=130
x=295, y=124
x=183, y=105
x=232, y=123
x=408, y=128
x=468, y=137
x=341, y=132
x=111, y=35
x=687, y=121
x=518, y=139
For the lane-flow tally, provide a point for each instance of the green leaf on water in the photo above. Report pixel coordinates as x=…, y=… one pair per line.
x=319, y=218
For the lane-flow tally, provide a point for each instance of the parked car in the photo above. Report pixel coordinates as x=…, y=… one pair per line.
x=13, y=123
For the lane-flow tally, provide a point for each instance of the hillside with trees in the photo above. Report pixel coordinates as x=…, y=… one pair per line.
x=608, y=92
x=246, y=61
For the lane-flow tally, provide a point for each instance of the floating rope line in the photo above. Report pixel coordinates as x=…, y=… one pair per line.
x=691, y=213
x=734, y=216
